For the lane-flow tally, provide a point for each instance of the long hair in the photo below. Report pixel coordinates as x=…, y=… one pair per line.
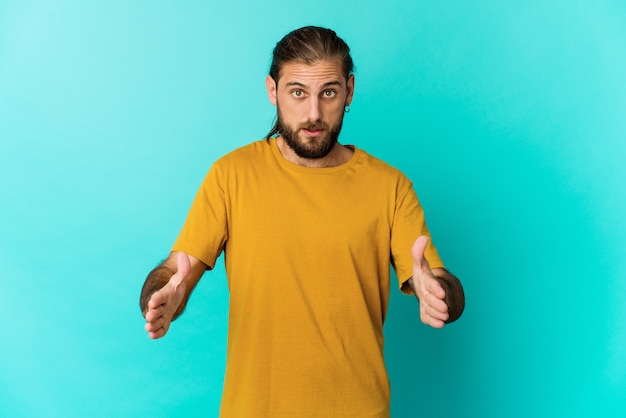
x=309, y=45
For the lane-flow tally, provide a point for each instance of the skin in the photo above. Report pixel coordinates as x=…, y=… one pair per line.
x=166, y=304
x=311, y=99
x=312, y=95
x=427, y=286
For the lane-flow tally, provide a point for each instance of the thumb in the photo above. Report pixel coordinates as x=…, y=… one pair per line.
x=183, y=265
x=417, y=251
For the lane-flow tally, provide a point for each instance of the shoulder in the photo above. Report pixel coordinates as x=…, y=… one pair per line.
x=248, y=153
x=382, y=177
x=251, y=157
x=377, y=167
x=237, y=162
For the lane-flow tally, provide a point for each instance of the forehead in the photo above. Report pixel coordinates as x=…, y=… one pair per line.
x=318, y=72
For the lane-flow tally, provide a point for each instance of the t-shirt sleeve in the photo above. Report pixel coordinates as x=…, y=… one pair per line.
x=409, y=223
x=205, y=230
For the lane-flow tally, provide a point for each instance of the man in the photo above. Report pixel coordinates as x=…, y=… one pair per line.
x=309, y=228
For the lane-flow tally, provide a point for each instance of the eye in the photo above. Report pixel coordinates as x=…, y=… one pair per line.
x=297, y=93
x=329, y=94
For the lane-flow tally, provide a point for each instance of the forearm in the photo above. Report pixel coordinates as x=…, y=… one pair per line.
x=455, y=296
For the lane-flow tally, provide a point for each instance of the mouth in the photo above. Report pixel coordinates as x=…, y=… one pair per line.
x=312, y=132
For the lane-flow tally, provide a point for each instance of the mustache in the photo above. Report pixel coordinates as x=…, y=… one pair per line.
x=314, y=126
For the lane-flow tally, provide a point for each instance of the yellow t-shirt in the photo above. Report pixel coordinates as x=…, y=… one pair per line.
x=307, y=253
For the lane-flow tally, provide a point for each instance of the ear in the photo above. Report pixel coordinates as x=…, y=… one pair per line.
x=270, y=85
x=350, y=89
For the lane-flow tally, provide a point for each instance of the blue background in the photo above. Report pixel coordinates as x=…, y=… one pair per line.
x=508, y=116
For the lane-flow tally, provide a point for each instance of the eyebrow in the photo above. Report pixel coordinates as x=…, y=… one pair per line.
x=325, y=85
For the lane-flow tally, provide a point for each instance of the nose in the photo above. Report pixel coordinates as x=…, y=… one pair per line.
x=314, y=111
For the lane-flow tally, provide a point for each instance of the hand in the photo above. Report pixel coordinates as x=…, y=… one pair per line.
x=163, y=303
x=433, y=308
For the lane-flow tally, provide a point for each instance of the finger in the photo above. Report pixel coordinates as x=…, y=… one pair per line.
x=157, y=299
x=436, y=323
x=437, y=312
x=434, y=307
x=431, y=320
x=156, y=334
x=153, y=314
x=417, y=251
x=435, y=304
x=160, y=332
x=154, y=325
x=434, y=287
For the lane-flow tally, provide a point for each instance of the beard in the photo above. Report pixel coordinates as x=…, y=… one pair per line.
x=309, y=147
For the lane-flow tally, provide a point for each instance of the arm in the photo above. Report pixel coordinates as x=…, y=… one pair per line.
x=166, y=290
x=440, y=294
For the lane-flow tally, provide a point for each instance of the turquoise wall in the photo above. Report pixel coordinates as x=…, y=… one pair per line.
x=510, y=117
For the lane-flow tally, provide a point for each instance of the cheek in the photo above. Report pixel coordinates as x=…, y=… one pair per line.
x=335, y=112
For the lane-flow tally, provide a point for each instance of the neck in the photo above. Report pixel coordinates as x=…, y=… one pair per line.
x=338, y=155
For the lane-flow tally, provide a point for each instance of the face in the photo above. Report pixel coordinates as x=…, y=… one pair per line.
x=310, y=101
